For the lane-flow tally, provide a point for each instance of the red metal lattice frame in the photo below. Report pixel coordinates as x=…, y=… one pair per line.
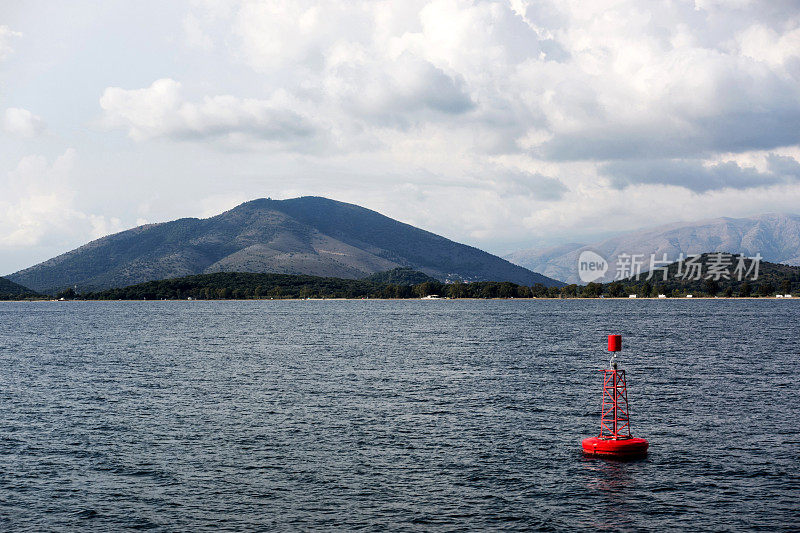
x=614, y=420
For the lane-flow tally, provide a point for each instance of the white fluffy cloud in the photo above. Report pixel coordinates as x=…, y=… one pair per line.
x=38, y=206
x=22, y=123
x=6, y=36
x=161, y=111
x=551, y=80
x=764, y=44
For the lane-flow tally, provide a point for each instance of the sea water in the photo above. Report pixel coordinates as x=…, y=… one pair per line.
x=403, y=415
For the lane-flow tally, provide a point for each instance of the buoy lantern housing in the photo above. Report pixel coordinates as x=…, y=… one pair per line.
x=615, y=343
x=615, y=438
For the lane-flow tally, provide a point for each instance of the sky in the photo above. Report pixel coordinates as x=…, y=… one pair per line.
x=504, y=125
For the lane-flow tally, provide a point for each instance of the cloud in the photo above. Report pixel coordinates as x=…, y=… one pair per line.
x=161, y=111
x=530, y=185
x=38, y=206
x=22, y=123
x=700, y=177
x=6, y=36
x=765, y=44
x=557, y=81
x=399, y=93
x=195, y=35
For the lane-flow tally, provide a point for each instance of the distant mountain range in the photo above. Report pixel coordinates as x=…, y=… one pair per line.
x=310, y=235
x=775, y=236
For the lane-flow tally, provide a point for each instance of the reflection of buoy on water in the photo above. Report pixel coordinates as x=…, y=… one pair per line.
x=615, y=438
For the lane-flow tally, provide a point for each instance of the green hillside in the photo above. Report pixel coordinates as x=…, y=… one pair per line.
x=13, y=291
x=400, y=276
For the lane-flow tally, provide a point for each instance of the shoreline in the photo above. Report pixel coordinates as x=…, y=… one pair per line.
x=765, y=298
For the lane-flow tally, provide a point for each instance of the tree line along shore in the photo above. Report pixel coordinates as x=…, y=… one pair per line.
x=404, y=283
x=246, y=286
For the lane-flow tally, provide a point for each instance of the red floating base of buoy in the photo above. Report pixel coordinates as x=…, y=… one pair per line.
x=623, y=448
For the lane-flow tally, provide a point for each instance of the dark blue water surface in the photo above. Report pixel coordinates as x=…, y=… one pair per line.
x=401, y=415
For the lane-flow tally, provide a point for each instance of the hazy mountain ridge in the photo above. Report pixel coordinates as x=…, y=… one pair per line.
x=309, y=235
x=775, y=236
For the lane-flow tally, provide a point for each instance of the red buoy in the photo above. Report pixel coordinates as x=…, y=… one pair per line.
x=615, y=438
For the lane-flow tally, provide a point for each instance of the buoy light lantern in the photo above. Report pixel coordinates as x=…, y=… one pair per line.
x=615, y=439
x=615, y=343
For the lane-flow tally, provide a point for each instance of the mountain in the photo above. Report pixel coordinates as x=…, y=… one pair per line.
x=400, y=276
x=310, y=235
x=775, y=236
x=9, y=289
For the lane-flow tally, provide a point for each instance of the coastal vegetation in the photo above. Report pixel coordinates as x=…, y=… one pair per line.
x=243, y=285
x=14, y=291
x=773, y=279
x=400, y=276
